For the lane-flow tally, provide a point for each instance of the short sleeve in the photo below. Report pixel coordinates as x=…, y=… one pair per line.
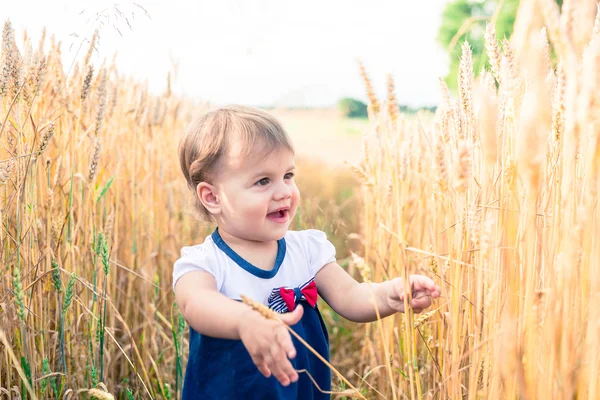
x=320, y=250
x=197, y=258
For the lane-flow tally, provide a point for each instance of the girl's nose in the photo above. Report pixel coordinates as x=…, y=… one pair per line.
x=283, y=191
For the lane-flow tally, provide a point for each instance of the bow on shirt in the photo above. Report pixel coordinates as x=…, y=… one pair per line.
x=307, y=292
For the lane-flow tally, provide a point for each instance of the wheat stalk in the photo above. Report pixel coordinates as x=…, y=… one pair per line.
x=373, y=102
x=87, y=82
x=6, y=170
x=101, y=102
x=392, y=104
x=493, y=50
x=100, y=394
x=95, y=159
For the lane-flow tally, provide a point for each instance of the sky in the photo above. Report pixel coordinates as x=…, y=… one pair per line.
x=271, y=53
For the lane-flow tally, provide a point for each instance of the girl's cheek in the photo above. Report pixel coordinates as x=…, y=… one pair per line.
x=295, y=190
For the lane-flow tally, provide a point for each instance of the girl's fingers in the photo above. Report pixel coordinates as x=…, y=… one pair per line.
x=421, y=302
x=273, y=364
x=288, y=371
x=285, y=341
x=421, y=283
x=263, y=369
x=282, y=377
x=281, y=366
x=293, y=317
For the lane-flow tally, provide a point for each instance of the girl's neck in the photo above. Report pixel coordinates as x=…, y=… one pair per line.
x=235, y=241
x=261, y=254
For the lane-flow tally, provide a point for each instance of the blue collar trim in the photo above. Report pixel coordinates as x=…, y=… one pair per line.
x=260, y=273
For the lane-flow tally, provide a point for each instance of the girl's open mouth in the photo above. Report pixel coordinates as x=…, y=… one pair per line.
x=280, y=216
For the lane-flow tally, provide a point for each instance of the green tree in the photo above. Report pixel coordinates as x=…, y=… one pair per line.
x=352, y=108
x=458, y=13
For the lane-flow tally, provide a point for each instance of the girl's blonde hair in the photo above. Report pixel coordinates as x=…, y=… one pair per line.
x=209, y=137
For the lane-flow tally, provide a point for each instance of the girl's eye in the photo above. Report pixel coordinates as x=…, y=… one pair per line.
x=289, y=175
x=263, y=182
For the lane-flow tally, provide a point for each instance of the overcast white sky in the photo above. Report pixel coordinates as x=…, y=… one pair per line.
x=256, y=52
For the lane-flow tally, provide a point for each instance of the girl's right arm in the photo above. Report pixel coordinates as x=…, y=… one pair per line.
x=205, y=309
x=211, y=313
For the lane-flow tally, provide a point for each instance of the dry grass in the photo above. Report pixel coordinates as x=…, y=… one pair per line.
x=497, y=200
x=86, y=251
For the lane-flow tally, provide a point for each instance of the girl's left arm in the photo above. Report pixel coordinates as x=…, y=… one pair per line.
x=356, y=301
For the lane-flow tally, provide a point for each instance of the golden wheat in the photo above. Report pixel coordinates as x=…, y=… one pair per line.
x=519, y=234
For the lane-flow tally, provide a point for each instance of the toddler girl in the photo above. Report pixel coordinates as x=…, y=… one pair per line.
x=239, y=162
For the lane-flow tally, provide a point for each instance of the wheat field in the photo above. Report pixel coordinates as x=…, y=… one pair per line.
x=498, y=200
x=495, y=198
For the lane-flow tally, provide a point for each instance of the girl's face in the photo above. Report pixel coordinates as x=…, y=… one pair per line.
x=257, y=195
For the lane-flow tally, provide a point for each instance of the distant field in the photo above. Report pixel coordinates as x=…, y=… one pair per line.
x=324, y=134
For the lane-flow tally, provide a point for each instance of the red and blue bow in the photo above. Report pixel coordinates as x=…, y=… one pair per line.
x=284, y=299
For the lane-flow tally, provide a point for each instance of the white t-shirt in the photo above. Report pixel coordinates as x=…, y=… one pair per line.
x=301, y=254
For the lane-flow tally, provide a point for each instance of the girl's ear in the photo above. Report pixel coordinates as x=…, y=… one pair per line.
x=207, y=195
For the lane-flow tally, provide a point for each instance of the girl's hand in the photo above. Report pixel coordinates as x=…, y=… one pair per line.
x=423, y=291
x=270, y=344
